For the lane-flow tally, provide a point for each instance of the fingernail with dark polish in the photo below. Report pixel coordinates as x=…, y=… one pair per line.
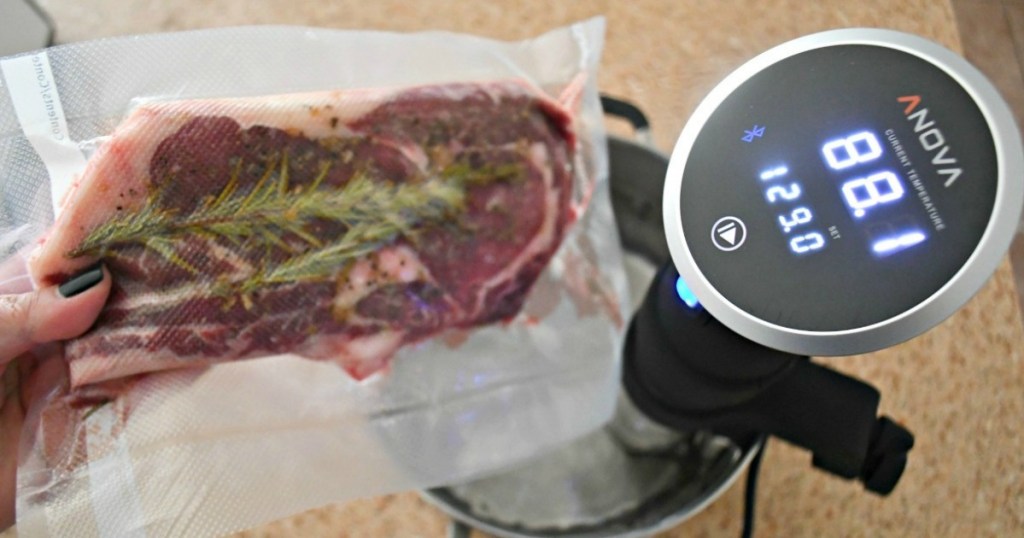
x=82, y=281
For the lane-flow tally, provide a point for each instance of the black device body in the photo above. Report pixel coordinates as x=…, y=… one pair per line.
x=684, y=369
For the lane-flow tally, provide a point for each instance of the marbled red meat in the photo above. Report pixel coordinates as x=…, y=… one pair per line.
x=183, y=301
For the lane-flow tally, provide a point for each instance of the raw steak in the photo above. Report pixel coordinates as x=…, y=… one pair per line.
x=338, y=225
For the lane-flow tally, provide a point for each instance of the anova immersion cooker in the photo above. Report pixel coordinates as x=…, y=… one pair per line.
x=838, y=194
x=835, y=195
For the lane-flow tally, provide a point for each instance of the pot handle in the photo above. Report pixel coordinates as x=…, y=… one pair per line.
x=620, y=108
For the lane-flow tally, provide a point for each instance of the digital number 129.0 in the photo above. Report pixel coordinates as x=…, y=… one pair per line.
x=795, y=219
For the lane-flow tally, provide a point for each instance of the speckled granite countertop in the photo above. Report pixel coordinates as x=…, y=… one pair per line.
x=960, y=387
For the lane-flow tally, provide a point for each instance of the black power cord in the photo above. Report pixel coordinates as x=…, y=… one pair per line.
x=47, y=20
x=750, y=495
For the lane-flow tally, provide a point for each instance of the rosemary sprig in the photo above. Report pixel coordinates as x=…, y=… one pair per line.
x=272, y=213
x=265, y=210
x=379, y=215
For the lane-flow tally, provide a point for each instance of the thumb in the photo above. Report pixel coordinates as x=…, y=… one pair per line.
x=53, y=313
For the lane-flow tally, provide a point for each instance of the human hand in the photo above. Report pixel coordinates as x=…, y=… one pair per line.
x=32, y=325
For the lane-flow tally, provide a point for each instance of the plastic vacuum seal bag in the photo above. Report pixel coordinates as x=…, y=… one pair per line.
x=345, y=263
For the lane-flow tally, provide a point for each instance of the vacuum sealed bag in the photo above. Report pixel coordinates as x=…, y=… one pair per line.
x=344, y=264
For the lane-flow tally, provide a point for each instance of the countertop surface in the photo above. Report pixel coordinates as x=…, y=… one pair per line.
x=959, y=387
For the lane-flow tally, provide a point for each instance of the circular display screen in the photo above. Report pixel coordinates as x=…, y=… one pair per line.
x=836, y=188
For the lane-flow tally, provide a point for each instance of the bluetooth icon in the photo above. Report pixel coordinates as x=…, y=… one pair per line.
x=756, y=132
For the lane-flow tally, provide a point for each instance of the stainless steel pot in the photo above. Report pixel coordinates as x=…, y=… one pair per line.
x=632, y=478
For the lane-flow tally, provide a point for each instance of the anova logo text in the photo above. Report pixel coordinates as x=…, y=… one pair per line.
x=932, y=139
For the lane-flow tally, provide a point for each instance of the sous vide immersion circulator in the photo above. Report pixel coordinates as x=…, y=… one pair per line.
x=837, y=194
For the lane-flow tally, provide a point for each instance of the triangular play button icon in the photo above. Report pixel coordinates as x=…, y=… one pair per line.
x=728, y=235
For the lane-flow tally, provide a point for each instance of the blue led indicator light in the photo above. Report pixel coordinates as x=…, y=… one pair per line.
x=773, y=173
x=895, y=243
x=685, y=294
